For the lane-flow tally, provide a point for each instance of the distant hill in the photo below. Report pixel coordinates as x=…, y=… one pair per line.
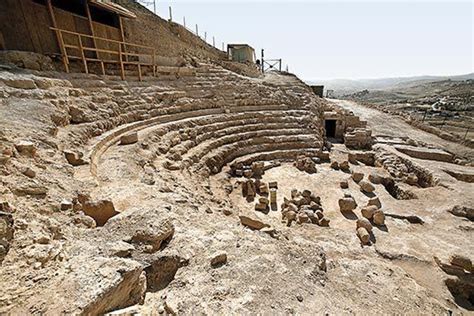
x=347, y=86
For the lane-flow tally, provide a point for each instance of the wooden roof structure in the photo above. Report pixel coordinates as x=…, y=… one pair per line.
x=113, y=7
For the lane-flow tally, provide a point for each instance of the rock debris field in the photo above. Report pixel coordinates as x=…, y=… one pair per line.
x=208, y=192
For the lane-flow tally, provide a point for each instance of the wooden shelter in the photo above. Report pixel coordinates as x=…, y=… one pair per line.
x=25, y=24
x=90, y=31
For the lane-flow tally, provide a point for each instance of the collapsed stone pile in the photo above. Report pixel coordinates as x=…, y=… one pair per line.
x=254, y=170
x=343, y=165
x=358, y=138
x=307, y=164
x=404, y=170
x=303, y=207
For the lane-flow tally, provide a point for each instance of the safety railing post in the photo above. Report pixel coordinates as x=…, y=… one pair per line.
x=83, y=56
x=122, y=70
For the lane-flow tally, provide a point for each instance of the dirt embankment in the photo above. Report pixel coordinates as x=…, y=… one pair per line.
x=171, y=39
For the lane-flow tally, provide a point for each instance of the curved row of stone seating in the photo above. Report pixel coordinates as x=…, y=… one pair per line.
x=264, y=134
x=205, y=128
x=285, y=154
x=199, y=122
x=191, y=139
x=216, y=159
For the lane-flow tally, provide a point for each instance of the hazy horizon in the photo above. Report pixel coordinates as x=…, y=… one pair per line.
x=389, y=77
x=322, y=40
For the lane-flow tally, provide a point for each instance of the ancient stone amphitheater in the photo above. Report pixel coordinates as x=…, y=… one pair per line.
x=204, y=191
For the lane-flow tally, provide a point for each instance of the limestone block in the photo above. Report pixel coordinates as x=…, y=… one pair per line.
x=364, y=222
x=357, y=176
x=128, y=139
x=347, y=204
x=366, y=186
x=379, y=218
x=363, y=235
x=26, y=148
x=368, y=211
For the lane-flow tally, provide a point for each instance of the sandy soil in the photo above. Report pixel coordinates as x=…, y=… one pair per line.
x=385, y=124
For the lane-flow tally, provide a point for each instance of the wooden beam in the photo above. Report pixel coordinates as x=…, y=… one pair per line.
x=59, y=37
x=83, y=56
x=122, y=70
x=122, y=36
x=91, y=25
x=28, y=28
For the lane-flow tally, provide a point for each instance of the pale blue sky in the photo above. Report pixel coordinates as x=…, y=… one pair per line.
x=342, y=39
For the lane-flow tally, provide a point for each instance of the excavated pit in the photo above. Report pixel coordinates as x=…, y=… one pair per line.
x=399, y=191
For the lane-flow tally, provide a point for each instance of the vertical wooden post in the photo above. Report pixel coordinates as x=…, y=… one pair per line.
x=213, y=41
x=205, y=36
x=83, y=56
x=171, y=15
x=91, y=26
x=122, y=35
x=28, y=28
x=184, y=21
x=197, y=30
x=59, y=36
x=102, y=67
x=139, y=72
x=154, y=63
x=223, y=47
x=122, y=70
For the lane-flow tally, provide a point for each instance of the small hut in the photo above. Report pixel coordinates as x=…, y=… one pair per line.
x=242, y=53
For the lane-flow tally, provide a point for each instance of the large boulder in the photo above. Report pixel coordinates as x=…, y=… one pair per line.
x=146, y=229
x=97, y=285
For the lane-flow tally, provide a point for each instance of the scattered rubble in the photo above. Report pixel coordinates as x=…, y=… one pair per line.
x=303, y=207
x=306, y=164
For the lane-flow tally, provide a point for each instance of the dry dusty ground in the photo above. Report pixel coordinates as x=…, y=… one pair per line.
x=383, y=124
x=155, y=256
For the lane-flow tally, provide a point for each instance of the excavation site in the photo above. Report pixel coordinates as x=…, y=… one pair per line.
x=145, y=170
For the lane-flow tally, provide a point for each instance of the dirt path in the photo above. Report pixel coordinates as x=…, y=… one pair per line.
x=383, y=124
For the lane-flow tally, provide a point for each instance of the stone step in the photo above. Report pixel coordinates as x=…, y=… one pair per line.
x=285, y=155
x=216, y=160
x=264, y=135
x=222, y=125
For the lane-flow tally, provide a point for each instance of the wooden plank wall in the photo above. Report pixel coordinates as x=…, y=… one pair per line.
x=110, y=32
x=13, y=26
x=26, y=26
